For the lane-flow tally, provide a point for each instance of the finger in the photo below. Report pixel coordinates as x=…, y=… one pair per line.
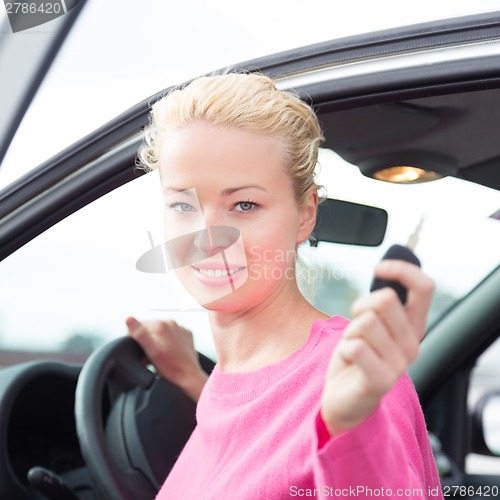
x=420, y=287
x=135, y=327
x=140, y=333
x=132, y=323
x=385, y=303
x=372, y=330
x=376, y=376
x=387, y=308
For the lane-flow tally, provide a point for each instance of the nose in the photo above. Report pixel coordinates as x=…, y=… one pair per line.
x=203, y=241
x=215, y=239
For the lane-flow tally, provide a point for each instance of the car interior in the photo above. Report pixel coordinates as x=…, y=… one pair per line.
x=104, y=425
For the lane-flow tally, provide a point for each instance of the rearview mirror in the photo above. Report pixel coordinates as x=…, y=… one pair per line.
x=349, y=223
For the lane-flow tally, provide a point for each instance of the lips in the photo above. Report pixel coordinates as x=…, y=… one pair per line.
x=216, y=275
x=218, y=272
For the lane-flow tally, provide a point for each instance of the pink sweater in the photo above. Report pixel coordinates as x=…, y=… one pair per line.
x=260, y=436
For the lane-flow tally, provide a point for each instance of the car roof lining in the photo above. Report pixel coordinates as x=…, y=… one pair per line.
x=428, y=124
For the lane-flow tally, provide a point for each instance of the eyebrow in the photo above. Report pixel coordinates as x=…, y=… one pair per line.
x=229, y=191
x=224, y=192
x=187, y=192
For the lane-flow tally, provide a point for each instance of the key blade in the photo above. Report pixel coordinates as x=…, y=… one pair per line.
x=414, y=237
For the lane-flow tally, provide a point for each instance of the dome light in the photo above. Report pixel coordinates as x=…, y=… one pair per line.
x=408, y=167
x=405, y=174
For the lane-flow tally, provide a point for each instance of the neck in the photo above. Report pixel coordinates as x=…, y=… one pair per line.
x=271, y=331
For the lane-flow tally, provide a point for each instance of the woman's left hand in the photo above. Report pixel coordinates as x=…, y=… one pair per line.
x=377, y=347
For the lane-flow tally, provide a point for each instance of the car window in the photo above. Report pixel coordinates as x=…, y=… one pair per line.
x=485, y=378
x=456, y=222
x=71, y=288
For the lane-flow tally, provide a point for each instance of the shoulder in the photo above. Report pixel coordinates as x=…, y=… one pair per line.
x=323, y=339
x=403, y=403
x=328, y=331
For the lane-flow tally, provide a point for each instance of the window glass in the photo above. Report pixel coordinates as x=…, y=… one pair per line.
x=451, y=231
x=72, y=287
x=485, y=377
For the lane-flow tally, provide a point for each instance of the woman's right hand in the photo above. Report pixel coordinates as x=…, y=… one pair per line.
x=170, y=348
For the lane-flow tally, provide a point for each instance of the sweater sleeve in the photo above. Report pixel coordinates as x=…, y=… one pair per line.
x=388, y=455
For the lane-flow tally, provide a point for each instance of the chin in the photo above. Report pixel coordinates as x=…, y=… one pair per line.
x=229, y=305
x=232, y=301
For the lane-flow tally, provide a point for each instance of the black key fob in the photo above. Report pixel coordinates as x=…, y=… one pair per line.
x=397, y=252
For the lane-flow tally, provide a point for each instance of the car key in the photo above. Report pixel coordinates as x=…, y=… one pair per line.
x=400, y=252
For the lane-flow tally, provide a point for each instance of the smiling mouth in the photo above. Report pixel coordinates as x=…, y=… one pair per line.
x=217, y=273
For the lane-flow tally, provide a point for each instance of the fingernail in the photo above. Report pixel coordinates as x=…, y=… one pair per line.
x=132, y=323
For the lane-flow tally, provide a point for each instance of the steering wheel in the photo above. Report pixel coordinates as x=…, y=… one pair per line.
x=131, y=424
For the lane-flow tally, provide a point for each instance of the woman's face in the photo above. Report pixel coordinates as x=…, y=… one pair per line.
x=231, y=220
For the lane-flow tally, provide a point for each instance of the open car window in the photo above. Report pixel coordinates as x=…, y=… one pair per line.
x=72, y=287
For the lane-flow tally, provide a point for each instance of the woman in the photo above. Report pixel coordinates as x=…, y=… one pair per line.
x=299, y=404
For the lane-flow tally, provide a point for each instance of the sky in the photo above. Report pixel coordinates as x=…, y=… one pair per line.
x=123, y=51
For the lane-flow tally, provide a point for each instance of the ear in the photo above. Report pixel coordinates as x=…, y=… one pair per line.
x=307, y=214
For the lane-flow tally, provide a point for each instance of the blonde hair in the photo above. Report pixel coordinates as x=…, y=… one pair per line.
x=247, y=101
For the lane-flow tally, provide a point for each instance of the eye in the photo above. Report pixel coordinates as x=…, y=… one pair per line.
x=181, y=207
x=245, y=206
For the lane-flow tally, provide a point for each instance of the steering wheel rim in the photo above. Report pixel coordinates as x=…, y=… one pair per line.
x=117, y=369
x=108, y=361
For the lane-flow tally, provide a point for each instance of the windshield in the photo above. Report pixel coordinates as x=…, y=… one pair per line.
x=455, y=219
x=121, y=52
